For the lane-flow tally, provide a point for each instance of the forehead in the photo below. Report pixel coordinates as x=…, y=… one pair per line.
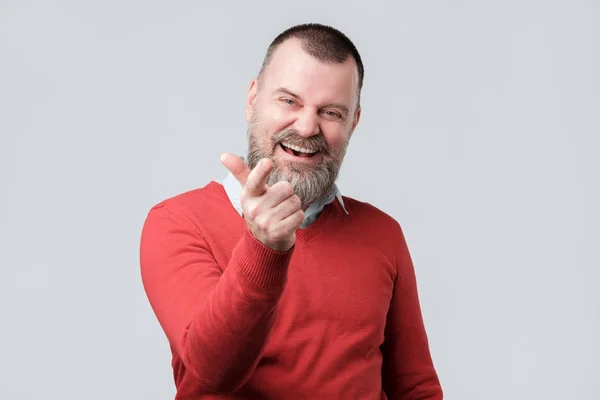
x=293, y=68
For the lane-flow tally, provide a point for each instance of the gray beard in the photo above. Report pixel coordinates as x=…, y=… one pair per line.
x=309, y=182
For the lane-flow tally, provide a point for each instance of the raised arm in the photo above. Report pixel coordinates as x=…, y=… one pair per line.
x=218, y=322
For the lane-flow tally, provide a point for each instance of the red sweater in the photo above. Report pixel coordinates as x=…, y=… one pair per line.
x=336, y=317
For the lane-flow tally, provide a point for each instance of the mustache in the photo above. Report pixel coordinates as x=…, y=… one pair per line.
x=291, y=136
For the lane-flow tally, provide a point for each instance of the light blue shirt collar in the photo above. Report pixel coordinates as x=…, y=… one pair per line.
x=234, y=190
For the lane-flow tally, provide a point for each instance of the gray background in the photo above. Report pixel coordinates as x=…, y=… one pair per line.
x=479, y=134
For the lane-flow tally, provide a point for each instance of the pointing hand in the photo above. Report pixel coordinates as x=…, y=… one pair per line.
x=272, y=213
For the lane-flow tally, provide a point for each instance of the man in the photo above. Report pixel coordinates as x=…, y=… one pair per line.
x=271, y=284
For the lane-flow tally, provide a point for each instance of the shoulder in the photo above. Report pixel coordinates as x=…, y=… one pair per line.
x=372, y=228
x=376, y=226
x=369, y=214
x=372, y=223
x=212, y=192
x=192, y=206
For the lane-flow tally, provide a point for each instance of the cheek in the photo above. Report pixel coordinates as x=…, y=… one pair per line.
x=274, y=119
x=335, y=137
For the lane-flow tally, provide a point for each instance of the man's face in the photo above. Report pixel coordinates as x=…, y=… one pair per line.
x=301, y=116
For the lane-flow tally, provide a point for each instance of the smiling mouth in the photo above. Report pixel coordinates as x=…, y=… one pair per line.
x=298, y=151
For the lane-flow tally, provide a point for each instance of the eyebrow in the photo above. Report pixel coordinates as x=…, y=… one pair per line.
x=334, y=105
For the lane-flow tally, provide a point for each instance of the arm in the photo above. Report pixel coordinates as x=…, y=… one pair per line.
x=408, y=371
x=216, y=321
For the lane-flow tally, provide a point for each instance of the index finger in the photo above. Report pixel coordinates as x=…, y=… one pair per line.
x=256, y=184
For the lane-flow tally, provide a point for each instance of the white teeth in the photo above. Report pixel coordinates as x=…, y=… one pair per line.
x=299, y=149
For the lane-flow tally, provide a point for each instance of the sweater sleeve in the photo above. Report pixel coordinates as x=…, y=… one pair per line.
x=408, y=371
x=216, y=319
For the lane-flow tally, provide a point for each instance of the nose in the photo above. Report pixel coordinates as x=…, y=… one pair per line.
x=307, y=123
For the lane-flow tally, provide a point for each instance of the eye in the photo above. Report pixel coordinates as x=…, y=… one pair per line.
x=289, y=102
x=333, y=114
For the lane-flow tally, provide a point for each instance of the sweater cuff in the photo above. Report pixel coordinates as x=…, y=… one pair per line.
x=260, y=264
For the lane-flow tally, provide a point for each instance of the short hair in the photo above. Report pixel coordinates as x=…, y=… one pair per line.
x=323, y=42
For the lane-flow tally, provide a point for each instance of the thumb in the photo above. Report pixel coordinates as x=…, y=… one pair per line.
x=236, y=166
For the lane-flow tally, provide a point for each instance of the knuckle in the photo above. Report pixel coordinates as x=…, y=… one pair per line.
x=296, y=202
x=288, y=190
x=284, y=188
x=277, y=235
x=262, y=223
x=278, y=232
x=252, y=211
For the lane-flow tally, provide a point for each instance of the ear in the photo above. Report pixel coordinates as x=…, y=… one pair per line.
x=251, y=98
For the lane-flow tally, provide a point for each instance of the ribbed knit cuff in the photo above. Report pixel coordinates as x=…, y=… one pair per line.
x=259, y=264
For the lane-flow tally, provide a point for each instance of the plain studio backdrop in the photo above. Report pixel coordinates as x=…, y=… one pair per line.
x=479, y=134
